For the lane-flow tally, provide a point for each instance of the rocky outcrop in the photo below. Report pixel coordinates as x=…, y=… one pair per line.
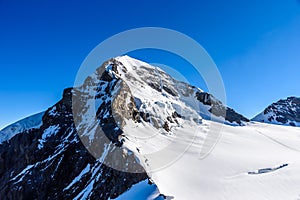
x=219, y=110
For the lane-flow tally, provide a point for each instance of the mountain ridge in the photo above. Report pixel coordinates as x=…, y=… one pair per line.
x=127, y=111
x=56, y=143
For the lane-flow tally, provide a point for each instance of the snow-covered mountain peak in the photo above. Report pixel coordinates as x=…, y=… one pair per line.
x=152, y=83
x=133, y=101
x=283, y=112
x=136, y=103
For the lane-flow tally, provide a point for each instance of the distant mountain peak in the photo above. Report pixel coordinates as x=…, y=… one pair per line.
x=282, y=112
x=33, y=121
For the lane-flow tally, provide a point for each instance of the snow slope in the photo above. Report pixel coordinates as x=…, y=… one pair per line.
x=34, y=121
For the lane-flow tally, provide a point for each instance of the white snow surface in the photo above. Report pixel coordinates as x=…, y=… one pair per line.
x=224, y=173
x=34, y=121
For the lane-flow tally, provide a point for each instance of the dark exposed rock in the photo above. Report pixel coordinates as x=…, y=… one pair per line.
x=233, y=116
x=292, y=124
x=205, y=98
x=145, y=116
x=218, y=109
x=155, y=86
x=281, y=119
x=166, y=126
x=175, y=114
x=170, y=91
x=170, y=119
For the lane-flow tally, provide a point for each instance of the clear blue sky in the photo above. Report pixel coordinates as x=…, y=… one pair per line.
x=255, y=45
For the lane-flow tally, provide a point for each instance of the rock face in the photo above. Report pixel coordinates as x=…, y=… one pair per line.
x=77, y=152
x=51, y=163
x=219, y=110
x=283, y=112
